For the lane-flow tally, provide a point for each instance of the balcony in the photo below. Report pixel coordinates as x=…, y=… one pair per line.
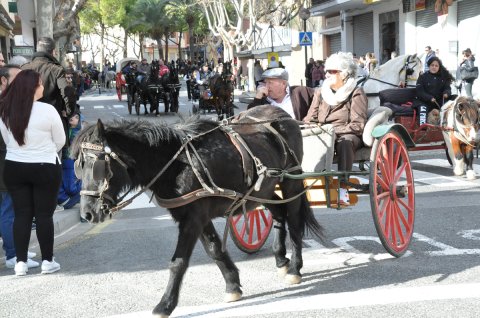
x=331, y=7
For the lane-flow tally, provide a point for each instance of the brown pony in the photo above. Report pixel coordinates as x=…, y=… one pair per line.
x=221, y=87
x=461, y=130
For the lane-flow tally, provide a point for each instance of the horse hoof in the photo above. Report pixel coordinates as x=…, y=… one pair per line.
x=282, y=271
x=293, y=279
x=458, y=172
x=231, y=297
x=471, y=175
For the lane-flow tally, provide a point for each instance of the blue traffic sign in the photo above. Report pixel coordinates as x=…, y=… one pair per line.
x=305, y=38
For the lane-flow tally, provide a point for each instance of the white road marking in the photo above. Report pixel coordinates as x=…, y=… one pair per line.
x=118, y=106
x=99, y=107
x=268, y=305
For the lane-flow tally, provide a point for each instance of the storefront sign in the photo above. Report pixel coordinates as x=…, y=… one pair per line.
x=23, y=50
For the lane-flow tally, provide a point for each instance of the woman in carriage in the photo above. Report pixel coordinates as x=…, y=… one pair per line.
x=433, y=90
x=342, y=104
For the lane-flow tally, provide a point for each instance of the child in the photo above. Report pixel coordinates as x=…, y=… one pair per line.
x=69, y=194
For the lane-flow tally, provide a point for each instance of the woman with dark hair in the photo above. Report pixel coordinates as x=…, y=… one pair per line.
x=33, y=133
x=433, y=89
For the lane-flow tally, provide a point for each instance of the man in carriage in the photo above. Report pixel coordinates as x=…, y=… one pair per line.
x=295, y=100
x=143, y=70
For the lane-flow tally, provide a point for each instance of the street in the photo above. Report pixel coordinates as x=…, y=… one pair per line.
x=120, y=268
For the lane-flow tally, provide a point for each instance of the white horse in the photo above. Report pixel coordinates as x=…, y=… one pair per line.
x=402, y=70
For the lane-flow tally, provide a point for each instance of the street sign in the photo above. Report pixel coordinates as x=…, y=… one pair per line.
x=305, y=38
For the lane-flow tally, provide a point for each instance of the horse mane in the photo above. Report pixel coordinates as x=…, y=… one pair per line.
x=143, y=131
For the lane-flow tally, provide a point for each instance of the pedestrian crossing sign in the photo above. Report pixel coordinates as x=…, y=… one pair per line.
x=305, y=38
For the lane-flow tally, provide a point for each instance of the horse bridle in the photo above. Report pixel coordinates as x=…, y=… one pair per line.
x=101, y=169
x=408, y=70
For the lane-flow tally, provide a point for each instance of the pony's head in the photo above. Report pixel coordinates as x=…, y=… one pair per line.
x=101, y=170
x=467, y=118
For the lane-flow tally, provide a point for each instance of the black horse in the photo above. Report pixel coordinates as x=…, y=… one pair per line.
x=151, y=89
x=171, y=86
x=221, y=86
x=197, y=172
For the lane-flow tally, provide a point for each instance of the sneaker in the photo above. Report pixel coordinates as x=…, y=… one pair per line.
x=31, y=254
x=344, y=198
x=21, y=269
x=50, y=267
x=11, y=263
x=59, y=208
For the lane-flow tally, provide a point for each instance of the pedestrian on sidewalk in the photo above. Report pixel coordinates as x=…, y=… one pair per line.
x=69, y=194
x=467, y=67
x=7, y=215
x=33, y=133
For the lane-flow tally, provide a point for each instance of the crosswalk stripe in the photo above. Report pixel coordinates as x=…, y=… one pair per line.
x=118, y=106
x=99, y=107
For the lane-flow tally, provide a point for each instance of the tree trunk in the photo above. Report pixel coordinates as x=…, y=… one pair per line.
x=190, y=41
x=44, y=19
x=167, y=35
x=159, y=46
x=125, y=46
x=102, y=45
x=180, y=57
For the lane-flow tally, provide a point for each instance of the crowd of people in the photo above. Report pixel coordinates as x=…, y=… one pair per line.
x=39, y=115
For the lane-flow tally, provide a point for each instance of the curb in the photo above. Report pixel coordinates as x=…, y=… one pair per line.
x=64, y=220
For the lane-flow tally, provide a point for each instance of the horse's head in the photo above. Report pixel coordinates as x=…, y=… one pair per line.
x=467, y=118
x=412, y=67
x=154, y=67
x=102, y=172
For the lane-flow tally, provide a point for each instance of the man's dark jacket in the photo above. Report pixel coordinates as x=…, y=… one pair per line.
x=54, y=81
x=300, y=96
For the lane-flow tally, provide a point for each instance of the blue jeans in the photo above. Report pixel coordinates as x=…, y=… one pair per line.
x=6, y=224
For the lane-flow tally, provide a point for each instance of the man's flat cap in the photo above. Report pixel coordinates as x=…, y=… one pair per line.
x=276, y=72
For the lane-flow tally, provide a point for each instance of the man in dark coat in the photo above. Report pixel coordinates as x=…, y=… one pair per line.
x=53, y=78
x=295, y=100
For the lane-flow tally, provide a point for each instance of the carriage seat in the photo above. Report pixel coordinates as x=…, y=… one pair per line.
x=318, y=142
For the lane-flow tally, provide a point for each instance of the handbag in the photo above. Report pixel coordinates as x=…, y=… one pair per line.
x=469, y=74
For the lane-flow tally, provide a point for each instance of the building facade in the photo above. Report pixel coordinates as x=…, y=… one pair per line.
x=406, y=26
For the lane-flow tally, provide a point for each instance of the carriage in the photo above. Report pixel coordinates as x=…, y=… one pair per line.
x=217, y=95
x=126, y=82
x=202, y=169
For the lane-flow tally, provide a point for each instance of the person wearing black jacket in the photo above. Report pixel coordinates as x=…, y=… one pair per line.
x=53, y=79
x=433, y=88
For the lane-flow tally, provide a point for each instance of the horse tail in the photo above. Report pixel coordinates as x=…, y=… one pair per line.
x=311, y=224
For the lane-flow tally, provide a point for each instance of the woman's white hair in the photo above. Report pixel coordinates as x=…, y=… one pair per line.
x=342, y=61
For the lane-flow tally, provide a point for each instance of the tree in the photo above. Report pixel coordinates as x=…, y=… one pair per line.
x=226, y=17
x=100, y=15
x=153, y=19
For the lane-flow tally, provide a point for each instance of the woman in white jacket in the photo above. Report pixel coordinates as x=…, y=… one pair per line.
x=33, y=133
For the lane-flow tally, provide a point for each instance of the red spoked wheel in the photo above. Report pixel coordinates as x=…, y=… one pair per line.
x=259, y=223
x=392, y=193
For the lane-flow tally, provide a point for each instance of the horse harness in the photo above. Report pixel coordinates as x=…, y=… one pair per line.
x=103, y=156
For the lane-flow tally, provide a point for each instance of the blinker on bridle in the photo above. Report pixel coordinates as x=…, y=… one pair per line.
x=101, y=169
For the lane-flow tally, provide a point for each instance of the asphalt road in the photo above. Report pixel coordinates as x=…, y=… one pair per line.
x=120, y=268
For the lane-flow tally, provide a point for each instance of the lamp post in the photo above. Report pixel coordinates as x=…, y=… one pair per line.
x=304, y=14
